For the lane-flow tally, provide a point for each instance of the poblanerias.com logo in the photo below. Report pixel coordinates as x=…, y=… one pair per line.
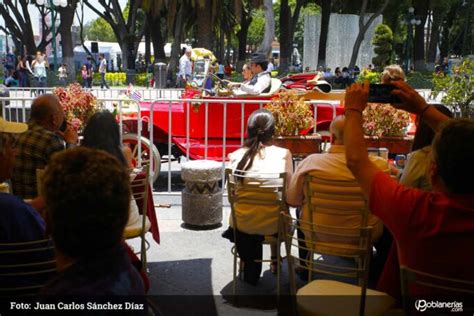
x=423, y=305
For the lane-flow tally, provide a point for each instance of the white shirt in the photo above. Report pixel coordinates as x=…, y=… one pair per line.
x=263, y=82
x=331, y=166
x=415, y=174
x=39, y=69
x=103, y=66
x=185, y=67
x=255, y=219
x=270, y=67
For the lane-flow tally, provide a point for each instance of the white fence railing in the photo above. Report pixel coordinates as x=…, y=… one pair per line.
x=16, y=108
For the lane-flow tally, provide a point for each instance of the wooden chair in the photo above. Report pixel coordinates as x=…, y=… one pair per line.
x=266, y=194
x=140, y=187
x=331, y=297
x=329, y=206
x=25, y=267
x=442, y=287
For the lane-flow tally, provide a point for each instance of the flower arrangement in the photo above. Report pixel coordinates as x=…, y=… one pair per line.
x=78, y=105
x=291, y=113
x=384, y=120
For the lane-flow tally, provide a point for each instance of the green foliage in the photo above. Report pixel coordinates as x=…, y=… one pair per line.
x=142, y=79
x=420, y=80
x=256, y=28
x=382, y=42
x=99, y=30
x=367, y=75
x=457, y=88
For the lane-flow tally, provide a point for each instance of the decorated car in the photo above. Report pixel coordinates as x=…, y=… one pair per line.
x=210, y=124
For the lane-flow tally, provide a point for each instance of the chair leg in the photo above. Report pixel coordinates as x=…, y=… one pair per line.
x=143, y=254
x=235, y=273
x=279, y=263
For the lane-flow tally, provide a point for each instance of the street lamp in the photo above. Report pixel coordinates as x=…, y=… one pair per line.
x=52, y=4
x=411, y=20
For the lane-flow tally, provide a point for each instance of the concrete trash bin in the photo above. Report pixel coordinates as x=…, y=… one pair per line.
x=202, y=196
x=160, y=75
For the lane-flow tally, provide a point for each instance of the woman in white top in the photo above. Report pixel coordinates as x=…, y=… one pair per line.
x=39, y=68
x=102, y=132
x=258, y=156
x=416, y=170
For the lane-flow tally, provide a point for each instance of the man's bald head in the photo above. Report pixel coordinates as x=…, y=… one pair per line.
x=337, y=129
x=47, y=111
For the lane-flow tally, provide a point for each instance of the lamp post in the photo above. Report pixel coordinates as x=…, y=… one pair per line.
x=52, y=4
x=410, y=21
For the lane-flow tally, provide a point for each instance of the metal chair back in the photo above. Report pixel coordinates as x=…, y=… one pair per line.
x=25, y=267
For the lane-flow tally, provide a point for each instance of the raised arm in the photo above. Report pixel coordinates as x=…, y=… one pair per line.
x=356, y=150
x=414, y=103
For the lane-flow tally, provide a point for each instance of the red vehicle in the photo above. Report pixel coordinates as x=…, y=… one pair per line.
x=183, y=123
x=226, y=119
x=305, y=81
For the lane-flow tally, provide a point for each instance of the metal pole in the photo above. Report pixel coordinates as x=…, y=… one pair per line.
x=53, y=30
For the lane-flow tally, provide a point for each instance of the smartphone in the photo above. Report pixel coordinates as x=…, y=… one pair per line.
x=381, y=93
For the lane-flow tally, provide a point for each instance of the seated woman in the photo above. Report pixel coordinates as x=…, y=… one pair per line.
x=416, y=170
x=259, y=157
x=102, y=132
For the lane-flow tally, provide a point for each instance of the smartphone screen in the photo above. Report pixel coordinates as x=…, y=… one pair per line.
x=381, y=93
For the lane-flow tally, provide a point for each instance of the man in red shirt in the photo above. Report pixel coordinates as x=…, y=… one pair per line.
x=434, y=231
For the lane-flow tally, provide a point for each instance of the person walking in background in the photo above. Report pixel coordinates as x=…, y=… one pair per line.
x=22, y=70
x=62, y=75
x=90, y=72
x=185, y=68
x=103, y=71
x=84, y=76
x=39, y=69
x=220, y=71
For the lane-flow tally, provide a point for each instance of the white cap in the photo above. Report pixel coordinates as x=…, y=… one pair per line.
x=12, y=127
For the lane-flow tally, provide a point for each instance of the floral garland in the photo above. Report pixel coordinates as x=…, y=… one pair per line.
x=78, y=105
x=291, y=113
x=384, y=120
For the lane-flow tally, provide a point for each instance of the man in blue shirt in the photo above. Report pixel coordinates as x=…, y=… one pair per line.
x=19, y=222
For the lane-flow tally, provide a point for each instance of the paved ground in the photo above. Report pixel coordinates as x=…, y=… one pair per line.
x=194, y=268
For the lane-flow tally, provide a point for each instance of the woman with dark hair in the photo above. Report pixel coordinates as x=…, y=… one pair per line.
x=257, y=157
x=102, y=132
x=416, y=170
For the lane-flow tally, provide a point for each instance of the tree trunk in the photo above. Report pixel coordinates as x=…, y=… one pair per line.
x=176, y=46
x=245, y=20
x=157, y=40
x=325, y=18
x=204, y=24
x=438, y=16
x=285, y=37
x=421, y=12
x=147, y=47
x=67, y=18
x=363, y=27
x=269, y=35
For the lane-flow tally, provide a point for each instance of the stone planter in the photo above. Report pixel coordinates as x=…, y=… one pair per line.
x=299, y=146
x=202, y=196
x=395, y=145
